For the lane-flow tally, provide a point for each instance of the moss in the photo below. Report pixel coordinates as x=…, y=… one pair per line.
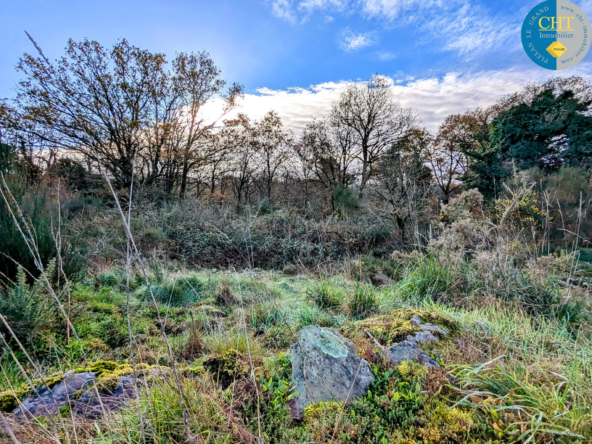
x=51, y=380
x=322, y=410
x=110, y=372
x=410, y=369
x=194, y=369
x=227, y=367
x=396, y=326
x=9, y=399
x=447, y=425
x=101, y=367
x=108, y=383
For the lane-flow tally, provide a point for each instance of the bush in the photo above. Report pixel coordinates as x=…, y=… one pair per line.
x=373, y=269
x=364, y=301
x=325, y=295
x=41, y=212
x=29, y=310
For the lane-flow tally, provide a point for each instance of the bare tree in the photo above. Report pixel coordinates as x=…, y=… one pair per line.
x=272, y=144
x=404, y=183
x=446, y=155
x=196, y=81
x=370, y=110
x=94, y=101
x=121, y=108
x=329, y=153
x=241, y=135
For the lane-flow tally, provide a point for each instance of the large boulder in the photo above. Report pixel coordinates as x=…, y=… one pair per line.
x=103, y=386
x=326, y=367
x=90, y=406
x=50, y=400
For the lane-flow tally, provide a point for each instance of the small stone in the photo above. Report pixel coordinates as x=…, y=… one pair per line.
x=409, y=351
x=427, y=332
x=326, y=367
x=429, y=327
x=422, y=337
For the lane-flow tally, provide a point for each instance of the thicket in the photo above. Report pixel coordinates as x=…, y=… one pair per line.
x=202, y=250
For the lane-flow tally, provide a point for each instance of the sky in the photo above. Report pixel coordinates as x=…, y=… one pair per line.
x=294, y=56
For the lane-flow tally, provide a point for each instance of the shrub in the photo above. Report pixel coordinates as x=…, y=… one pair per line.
x=374, y=270
x=364, y=301
x=41, y=212
x=29, y=310
x=325, y=295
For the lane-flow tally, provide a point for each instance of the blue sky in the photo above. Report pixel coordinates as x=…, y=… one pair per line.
x=286, y=52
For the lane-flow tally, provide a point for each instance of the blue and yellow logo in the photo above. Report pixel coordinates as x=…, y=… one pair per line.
x=555, y=34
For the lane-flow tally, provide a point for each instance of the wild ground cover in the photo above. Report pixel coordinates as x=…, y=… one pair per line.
x=518, y=376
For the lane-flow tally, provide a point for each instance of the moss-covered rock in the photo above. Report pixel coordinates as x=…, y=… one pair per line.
x=227, y=367
x=401, y=324
x=9, y=399
x=109, y=373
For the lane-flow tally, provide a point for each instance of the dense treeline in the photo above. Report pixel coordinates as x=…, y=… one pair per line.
x=129, y=116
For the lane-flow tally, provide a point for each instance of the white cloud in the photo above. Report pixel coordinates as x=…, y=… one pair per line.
x=433, y=98
x=464, y=27
x=283, y=9
x=352, y=40
x=311, y=5
x=392, y=9
x=470, y=29
x=385, y=56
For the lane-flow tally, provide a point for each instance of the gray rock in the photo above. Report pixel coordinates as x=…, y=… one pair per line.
x=86, y=402
x=422, y=337
x=90, y=406
x=429, y=332
x=50, y=401
x=326, y=367
x=409, y=351
x=429, y=326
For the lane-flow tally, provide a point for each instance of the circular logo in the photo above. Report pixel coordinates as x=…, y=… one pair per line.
x=555, y=34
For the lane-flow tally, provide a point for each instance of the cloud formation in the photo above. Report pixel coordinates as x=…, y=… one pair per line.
x=433, y=98
x=352, y=40
x=463, y=27
x=283, y=9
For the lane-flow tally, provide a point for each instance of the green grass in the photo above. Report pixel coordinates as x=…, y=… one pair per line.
x=522, y=375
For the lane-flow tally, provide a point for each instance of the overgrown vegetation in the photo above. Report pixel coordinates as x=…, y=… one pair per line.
x=195, y=270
